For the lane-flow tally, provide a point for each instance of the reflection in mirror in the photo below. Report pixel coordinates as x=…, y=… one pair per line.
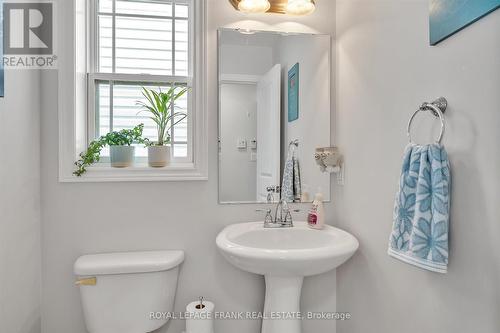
x=274, y=111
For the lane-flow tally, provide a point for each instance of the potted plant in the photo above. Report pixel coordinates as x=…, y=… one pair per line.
x=161, y=107
x=121, y=149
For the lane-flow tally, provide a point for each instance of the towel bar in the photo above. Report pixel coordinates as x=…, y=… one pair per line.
x=437, y=108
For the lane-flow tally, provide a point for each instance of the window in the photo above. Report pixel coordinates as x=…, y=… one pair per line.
x=109, y=50
x=135, y=44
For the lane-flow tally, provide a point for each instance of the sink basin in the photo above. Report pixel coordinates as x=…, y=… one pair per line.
x=297, y=251
x=284, y=256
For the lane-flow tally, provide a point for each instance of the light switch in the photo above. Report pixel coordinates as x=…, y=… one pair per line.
x=241, y=144
x=253, y=144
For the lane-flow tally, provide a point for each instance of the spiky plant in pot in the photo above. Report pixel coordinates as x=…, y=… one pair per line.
x=161, y=108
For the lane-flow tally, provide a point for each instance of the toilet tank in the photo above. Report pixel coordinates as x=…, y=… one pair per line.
x=120, y=291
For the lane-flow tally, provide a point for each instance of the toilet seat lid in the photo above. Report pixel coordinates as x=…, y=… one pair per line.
x=127, y=262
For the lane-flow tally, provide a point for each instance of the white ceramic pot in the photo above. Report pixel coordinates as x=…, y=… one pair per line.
x=122, y=156
x=158, y=156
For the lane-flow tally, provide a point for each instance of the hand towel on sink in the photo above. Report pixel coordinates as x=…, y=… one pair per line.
x=421, y=211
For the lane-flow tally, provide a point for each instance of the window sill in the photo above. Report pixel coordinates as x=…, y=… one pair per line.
x=140, y=172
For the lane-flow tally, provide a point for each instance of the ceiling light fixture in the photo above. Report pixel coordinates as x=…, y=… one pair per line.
x=292, y=7
x=300, y=7
x=246, y=31
x=254, y=6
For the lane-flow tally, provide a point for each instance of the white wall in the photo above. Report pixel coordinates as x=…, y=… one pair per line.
x=89, y=218
x=386, y=69
x=245, y=59
x=20, y=203
x=313, y=126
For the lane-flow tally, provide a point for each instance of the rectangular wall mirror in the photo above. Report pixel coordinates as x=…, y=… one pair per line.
x=274, y=111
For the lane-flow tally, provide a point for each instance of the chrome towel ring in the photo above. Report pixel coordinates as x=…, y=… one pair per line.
x=437, y=108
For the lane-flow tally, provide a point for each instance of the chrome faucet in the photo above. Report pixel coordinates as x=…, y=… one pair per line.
x=282, y=216
x=270, y=192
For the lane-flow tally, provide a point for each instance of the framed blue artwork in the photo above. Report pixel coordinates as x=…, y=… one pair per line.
x=293, y=93
x=448, y=17
x=1, y=51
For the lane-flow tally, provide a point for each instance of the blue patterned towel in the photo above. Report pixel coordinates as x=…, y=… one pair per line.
x=421, y=213
x=291, y=188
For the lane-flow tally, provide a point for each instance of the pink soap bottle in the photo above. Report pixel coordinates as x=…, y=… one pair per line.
x=316, y=217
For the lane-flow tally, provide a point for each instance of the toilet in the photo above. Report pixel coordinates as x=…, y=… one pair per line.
x=120, y=292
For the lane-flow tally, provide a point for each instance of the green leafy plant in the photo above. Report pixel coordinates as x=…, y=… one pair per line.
x=92, y=155
x=161, y=106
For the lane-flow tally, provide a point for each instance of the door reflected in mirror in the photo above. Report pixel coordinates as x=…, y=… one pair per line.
x=274, y=111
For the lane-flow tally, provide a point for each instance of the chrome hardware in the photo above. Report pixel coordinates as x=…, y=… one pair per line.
x=201, y=305
x=274, y=189
x=270, y=191
x=270, y=197
x=269, y=218
x=282, y=216
x=282, y=208
x=437, y=108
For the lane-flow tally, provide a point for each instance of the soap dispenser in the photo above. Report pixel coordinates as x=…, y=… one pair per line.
x=316, y=217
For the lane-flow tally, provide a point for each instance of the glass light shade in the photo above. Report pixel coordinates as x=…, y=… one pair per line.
x=254, y=6
x=300, y=7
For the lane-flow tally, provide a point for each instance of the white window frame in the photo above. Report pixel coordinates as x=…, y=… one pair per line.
x=75, y=111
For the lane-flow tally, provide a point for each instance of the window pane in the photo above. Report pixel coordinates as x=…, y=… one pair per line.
x=127, y=114
x=141, y=7
x=105, y=44
x=181, y=9
x=105, y=6
x=180, y=150
x=143, y=46
x=181, y=47
x=102, y=107
x=180, y=130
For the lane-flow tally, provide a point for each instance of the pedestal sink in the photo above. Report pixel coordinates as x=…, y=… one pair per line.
x=284, y=256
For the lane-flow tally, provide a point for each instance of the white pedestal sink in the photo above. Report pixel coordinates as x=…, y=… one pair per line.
x=284, y=256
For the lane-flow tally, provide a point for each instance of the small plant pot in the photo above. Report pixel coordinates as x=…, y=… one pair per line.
x=122, y=156
x=158, y=156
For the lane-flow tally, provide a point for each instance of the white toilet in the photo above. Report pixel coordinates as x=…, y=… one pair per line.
x=120, y=291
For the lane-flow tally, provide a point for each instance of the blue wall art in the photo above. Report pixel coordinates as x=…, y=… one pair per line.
x=448, y=17
x=293, y=93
